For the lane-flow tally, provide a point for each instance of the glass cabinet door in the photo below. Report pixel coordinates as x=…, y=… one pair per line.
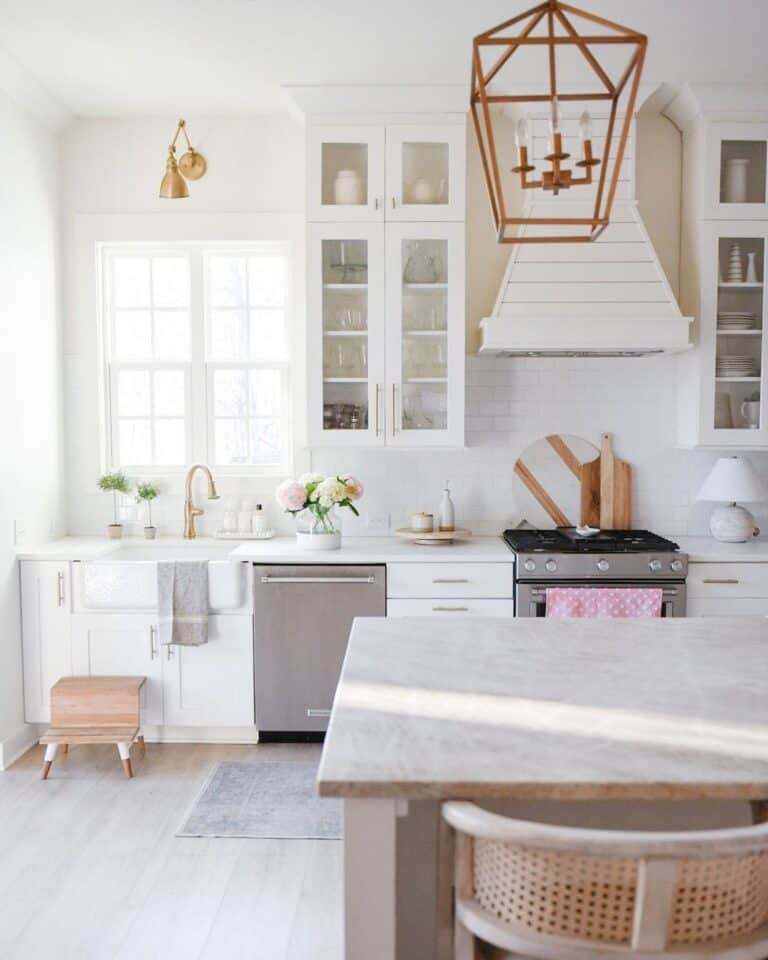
x=425, y=172
x=345, y=333
x=739, y=341
x=345, y=175
x=425, y=334
x=737, y=171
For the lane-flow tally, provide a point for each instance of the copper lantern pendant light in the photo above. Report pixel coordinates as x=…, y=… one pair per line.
x=550, y=26
x=190, y=166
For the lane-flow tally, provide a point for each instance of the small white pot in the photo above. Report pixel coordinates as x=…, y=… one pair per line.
x=115, y=531
x=318, y=541
x=150, y=533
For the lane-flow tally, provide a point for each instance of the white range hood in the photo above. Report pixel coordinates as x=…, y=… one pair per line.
x=608, y=297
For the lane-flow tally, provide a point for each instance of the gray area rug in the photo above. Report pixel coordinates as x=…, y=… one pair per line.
x=264, y=799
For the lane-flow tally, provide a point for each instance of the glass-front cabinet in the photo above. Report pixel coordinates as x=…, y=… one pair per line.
x=345, y=272
x=386, y=361
x=733, y=321
x=425, y=172
x=736, y=176
x=394, y=172
x=425, y=333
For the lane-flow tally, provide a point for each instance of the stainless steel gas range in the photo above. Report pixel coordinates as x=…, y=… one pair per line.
x=616, y=558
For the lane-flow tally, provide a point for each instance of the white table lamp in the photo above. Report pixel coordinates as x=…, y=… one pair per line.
x=732, y=479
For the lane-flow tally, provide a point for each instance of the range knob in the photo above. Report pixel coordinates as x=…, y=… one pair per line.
x=602, y=565
x=676, y=566
x=550, y=566
x=654, y=565
x=529, y=565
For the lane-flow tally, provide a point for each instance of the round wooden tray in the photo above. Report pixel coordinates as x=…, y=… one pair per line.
x=433, y=538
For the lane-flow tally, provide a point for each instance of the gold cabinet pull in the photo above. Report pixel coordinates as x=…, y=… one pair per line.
x=378, y=405
x=719, y=580
x=450, y=609
x=394, y=409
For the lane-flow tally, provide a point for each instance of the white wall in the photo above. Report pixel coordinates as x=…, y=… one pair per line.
x=111, y=173
x=30, y=391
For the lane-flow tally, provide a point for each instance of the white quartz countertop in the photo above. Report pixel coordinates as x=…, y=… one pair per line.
x=376, y=550
x=655, y=708
x=708, y=550
x=365, y=549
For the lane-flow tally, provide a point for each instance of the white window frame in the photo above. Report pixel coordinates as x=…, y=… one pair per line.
x=198, y=408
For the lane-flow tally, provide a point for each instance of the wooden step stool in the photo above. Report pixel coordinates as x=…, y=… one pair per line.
x=95, y=710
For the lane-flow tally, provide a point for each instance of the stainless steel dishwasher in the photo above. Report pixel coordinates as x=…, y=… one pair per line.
x=302, y=617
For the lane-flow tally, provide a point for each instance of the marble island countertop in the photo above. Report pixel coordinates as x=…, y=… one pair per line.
x=551, y=708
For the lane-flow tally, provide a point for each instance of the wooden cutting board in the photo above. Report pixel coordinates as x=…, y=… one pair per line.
x=615, y=488
x=551, y=470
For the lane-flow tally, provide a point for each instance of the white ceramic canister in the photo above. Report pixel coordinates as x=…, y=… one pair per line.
x=735, y=186
x=423, y=522
x=348, y=187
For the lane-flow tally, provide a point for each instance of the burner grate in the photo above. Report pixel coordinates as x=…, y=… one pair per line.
x=566, y=540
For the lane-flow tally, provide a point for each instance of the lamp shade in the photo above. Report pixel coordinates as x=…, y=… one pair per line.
x=733, y=479
x=173, y=185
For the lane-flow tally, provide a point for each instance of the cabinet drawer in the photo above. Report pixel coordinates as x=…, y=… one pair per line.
x=451, y=608
x=715, y=580
x=738, y=607
x=450, y=579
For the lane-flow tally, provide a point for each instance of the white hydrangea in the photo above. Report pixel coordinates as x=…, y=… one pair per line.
x=328, y=492
x=307, y=478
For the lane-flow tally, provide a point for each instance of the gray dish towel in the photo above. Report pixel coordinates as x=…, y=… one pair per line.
x=182, y=600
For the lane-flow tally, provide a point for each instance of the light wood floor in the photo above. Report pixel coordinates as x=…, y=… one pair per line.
x=90, y=868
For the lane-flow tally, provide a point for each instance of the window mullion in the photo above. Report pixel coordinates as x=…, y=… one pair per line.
x=197, y=401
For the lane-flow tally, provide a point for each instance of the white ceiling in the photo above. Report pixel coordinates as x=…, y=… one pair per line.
x=102, y=58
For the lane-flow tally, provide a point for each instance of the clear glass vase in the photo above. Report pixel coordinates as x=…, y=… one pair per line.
x=319, y=530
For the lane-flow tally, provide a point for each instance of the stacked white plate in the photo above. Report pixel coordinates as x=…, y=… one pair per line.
x=735, y=320
x=732, y=365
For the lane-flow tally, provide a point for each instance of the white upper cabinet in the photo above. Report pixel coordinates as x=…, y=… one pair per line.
x=395, y=172
x=425, y=334
x=425, y=172
x=345, y=173
x=723, y=401
x=735, y=185
x=345, y=335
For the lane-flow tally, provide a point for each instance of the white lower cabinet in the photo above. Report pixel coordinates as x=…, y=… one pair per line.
x=46, y=647
x=211, y=685
x=727, y=608
x=206, y=686
x=106, y=644
x=451, y=608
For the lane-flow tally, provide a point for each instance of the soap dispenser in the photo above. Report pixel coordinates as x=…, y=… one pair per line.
x=446, y=517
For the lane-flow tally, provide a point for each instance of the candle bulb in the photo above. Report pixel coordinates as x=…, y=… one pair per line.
x=585, y=126
x=521, y=133
x=554, y=124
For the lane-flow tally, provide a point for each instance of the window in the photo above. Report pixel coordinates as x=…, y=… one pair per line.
x=196, y=353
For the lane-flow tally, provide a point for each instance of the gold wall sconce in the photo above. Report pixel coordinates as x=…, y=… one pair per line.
x=190, y=166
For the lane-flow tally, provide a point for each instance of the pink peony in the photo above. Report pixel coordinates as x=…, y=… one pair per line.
x=354, y=488
x=291, y=495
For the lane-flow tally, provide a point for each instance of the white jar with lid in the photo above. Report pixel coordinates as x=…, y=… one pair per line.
x=348, y=187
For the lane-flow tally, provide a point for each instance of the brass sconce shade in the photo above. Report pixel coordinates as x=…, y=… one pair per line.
x=190, y=166
x=550, y=27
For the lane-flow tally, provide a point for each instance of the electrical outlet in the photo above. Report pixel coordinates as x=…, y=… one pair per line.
x=377, y=521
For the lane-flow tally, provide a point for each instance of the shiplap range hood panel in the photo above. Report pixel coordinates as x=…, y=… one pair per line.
x=609, y=297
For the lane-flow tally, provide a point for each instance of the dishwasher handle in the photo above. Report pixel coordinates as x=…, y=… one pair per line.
x=318, y=579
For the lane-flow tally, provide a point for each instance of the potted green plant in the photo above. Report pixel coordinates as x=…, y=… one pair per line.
x=114, y=483
x=148, y=492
